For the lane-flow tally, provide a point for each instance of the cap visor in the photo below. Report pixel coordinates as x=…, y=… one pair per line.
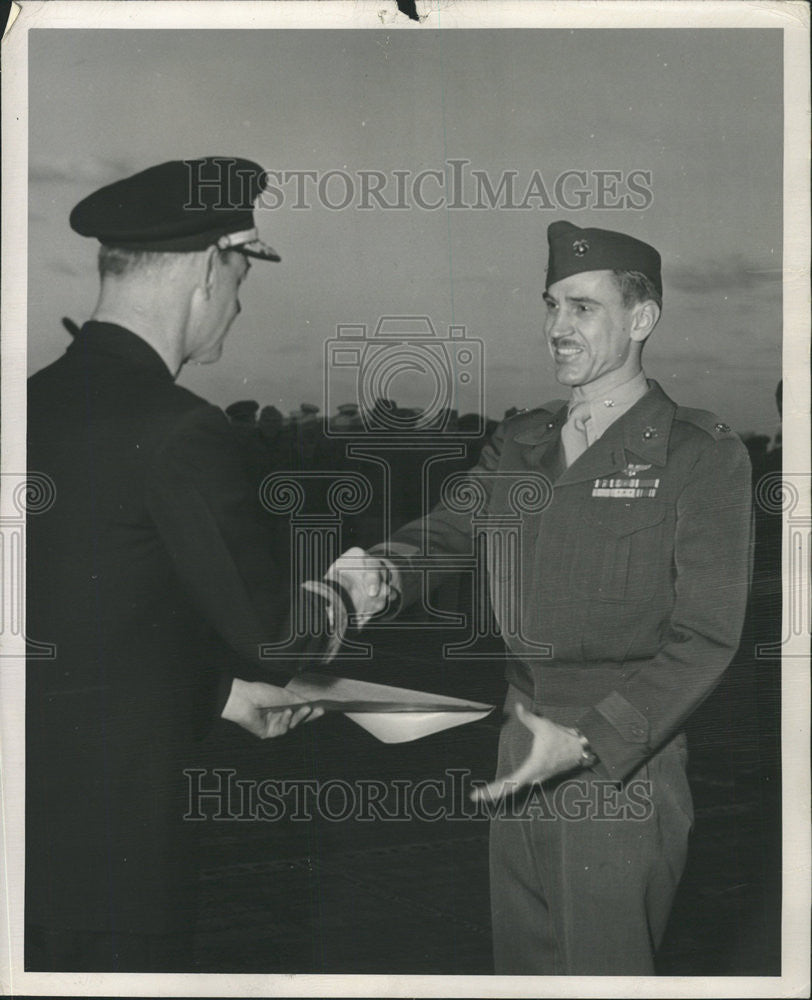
x=259, y=250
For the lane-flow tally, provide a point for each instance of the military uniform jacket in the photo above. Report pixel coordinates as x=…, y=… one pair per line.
x=635, y=573
x=152, y=574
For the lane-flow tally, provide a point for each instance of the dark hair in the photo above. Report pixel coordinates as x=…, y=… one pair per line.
x=635, y=287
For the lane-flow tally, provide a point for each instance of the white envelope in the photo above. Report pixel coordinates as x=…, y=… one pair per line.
x=403, y=715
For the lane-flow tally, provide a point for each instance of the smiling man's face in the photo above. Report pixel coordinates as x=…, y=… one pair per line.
x=589, y=330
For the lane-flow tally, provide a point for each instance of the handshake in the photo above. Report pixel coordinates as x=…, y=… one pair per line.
x=371, y=582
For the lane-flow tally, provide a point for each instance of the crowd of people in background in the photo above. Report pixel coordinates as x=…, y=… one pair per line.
x=305, y=440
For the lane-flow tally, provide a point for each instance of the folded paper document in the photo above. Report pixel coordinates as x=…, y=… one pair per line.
x=391, y=714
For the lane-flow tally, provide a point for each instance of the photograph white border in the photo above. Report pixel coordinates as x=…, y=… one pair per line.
x=790, y=16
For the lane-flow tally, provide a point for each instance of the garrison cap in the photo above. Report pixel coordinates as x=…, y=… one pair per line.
x=179, y=207
x=574, y=250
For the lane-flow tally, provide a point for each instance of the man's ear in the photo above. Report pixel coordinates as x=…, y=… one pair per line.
x=645, y=316
x=209, y=265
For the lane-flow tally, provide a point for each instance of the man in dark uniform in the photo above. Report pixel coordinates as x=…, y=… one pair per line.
x=636, y=575
x=152, y=574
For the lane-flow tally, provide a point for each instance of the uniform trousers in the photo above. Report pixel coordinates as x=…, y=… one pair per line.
x=584, y=870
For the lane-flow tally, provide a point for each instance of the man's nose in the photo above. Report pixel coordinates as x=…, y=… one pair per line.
x=560, y=325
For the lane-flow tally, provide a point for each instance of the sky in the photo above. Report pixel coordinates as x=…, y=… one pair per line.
x=696, y=113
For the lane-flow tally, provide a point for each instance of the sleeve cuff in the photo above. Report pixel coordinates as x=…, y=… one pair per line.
x=618, y=733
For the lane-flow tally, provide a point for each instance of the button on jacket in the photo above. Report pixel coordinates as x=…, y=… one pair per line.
x=640, y=591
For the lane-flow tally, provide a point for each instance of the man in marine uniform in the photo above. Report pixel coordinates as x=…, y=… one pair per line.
x=152, y=575
x=636, y=576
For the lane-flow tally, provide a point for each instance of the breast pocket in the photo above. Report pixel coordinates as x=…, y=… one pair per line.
x=627, y=544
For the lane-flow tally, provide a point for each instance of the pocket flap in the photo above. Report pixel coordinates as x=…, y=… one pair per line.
x=622, y=517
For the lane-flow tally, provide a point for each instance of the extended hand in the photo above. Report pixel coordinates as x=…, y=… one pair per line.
x=555, y=750
x=248, y=705
x=366, y=578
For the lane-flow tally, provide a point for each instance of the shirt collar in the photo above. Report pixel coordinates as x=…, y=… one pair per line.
x=610, y=401
x=645, y=433
x=640, y=438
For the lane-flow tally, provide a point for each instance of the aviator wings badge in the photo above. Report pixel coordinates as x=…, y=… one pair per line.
x=632, y=470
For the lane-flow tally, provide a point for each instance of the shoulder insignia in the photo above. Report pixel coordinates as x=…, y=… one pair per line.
x=532, y=426
x=706, y=421
x=536, y=414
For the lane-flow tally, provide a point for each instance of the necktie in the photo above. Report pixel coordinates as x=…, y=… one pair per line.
x=575, y=432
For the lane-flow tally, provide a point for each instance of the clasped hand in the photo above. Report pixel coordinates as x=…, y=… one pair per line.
x=368, y=580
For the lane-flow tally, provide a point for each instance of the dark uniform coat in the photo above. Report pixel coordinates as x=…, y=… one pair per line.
x=152, y=575
x=640, y=597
